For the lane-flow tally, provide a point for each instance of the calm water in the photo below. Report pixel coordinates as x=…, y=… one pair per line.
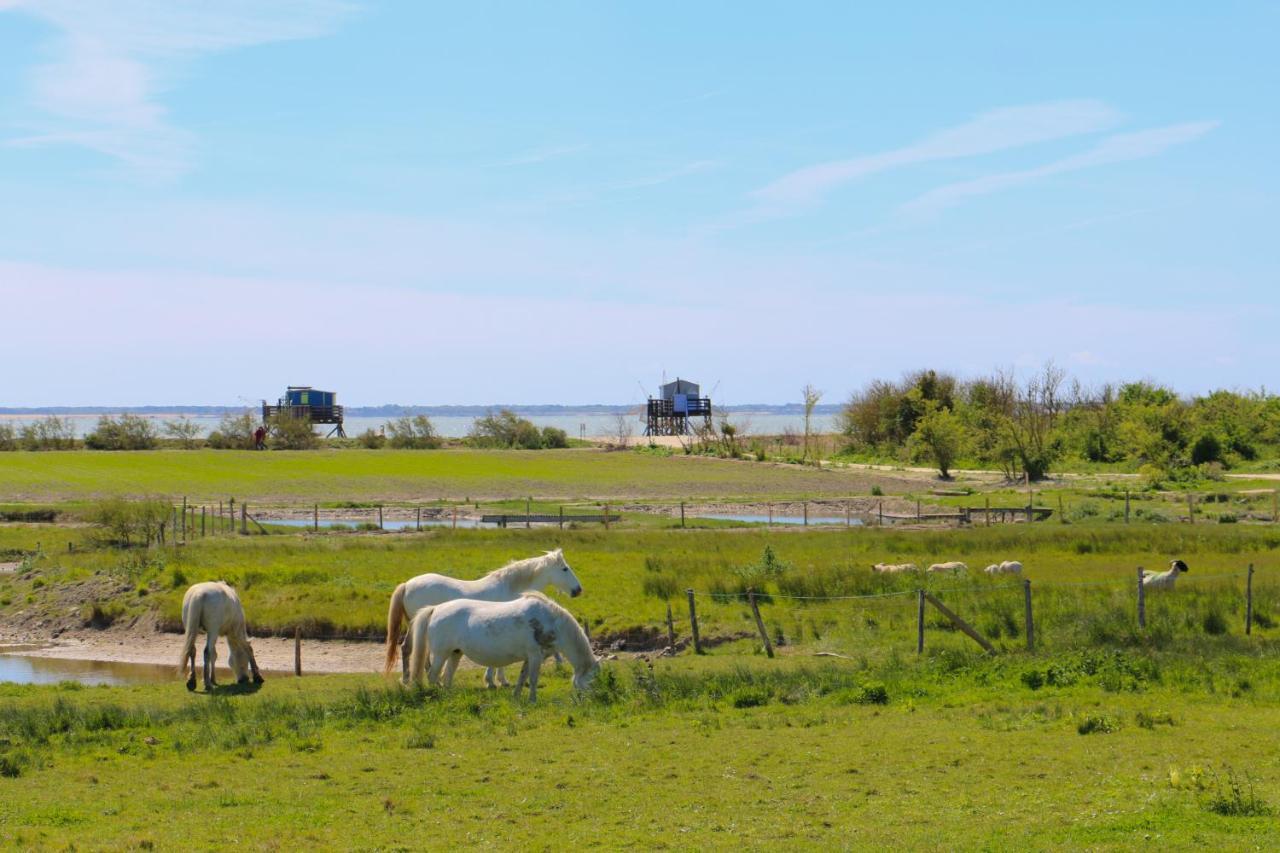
x=387, y=524
x=779, y=519
x=456, y=427
x=19, y=669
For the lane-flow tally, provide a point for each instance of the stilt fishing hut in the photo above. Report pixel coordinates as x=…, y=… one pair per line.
x=303, y=401
x=679, y=409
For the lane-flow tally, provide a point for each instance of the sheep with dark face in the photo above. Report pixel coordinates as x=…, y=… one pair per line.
x=1166, y=579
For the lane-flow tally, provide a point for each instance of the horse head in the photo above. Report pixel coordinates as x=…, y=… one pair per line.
x=239, y=663
x=556, y=572
x=582, y=680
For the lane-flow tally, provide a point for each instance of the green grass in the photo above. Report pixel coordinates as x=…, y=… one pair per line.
x=405, y=475
x=689, y=754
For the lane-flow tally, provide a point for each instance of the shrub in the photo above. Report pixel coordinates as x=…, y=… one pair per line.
x=101, y=615
x=123, y=523
x=290, y=433
x=874, y=693
x=877, y=492
x=130, y=432
x=505, y=430
x=234, y=432
x=416, y=433
x=51, y=433
x=554, y=437
x=371, y=440
x=1234, y=798
x=1098, y=724
x=1214, y=623
x=1206, y=449
x=8, y=437
x=184, y=431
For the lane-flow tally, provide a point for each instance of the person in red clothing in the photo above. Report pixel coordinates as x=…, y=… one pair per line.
x=260, y=438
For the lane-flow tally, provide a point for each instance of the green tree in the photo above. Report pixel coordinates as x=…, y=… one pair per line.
x=940, y=434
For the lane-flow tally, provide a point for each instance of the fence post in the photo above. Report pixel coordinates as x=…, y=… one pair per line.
x=682, y=513
x=184, y=518
x=1142, y=601
x=1031, y=501
x=297, y=650
x=755, y=610
x=244, y=519
x=770, y=514
x=1062, y=516
x=693, y=623
x=880, y=512
x=455, y=518
x=1031, y=624
x=1248, y=602
x=528, y=513
x=1126, y=506
x=1275, y=505
x=919, y=621
x=380, y=516
x=562, y=517
x=202, y=522
x=606, y=516
x=917, y=509
x=805, y=505
x=1191, y=508
x=671, y=629
x=315, y=518
x=848, y=515
x=231, y=515
x=987, y=509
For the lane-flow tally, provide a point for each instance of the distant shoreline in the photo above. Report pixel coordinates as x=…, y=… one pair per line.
x=397, y=411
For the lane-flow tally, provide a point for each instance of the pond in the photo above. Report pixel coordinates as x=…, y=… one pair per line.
x=388, y=524
x=23, y=669
x=750, y=518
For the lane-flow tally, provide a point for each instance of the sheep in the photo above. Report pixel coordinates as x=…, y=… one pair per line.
x=894, y=568
x=954, y=566
x=1008, y=567
x=1164, y=580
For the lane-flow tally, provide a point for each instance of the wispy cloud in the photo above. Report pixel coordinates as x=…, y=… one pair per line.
x=1119, y=148
x=112, y=61
x=540, y=155
x=988, y=132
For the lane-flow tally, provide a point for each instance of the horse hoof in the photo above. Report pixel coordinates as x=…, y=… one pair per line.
x=191, y=685
x=257, y=679
x=242, y=681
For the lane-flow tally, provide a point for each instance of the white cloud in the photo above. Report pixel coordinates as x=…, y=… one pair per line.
x=1114, y=149
x=112, y=61
x=988, y=132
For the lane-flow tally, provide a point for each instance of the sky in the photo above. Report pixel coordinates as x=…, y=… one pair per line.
x=478, y=203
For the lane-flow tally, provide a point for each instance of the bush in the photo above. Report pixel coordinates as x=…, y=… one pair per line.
x=290, y=433
x=51, y=433
x=1206, y=449
x=123, y=523
x=1214, y=623
x=416, y=433
x=234, y=432
x=554, y=437
x=184, y=431
x=130, y=432
x=505, y=430
x=8, y=437
x=371, y=439
x=1098, y=724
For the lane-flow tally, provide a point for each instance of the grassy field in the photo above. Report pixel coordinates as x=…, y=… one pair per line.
x=409, y=475
x=950, y=752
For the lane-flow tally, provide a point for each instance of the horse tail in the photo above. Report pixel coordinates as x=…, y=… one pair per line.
x=421, y=653
x=191, y=626
x=395, y=616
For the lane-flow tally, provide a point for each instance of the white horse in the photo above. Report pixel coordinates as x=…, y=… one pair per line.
x=1164, y=580
x=1008, y=567
x=214, y=607
x=499, y=633
x=894, y=568
x=504, y=584
x=955, y=567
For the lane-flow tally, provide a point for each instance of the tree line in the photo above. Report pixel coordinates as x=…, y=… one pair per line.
x=1050, y=421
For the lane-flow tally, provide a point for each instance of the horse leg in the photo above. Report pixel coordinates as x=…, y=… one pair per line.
x=502, y=676
x=535, y=666
x=210, y=656
x=488, y=678
x=406, y=649
x=253, y=665
x=450, y=667
x=437, y=664
x=191, y=680
x=524, y=674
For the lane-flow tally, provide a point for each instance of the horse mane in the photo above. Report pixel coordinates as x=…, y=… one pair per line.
x=521, y=571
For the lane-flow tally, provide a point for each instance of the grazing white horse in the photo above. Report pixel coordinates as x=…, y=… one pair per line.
x=1008, y=567
x=214, y=607
x=504, y=584
x=1164, y=580
x=499, y=633
x=894, y=568
x=955, y=567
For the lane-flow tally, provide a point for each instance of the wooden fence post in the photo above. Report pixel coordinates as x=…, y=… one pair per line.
x=987, y=509
x=380, y=517
x=917, y=509
x=805, y=505
x=231, y=515
x=315, y=518
x=1031, y=499
x=671, y=629
x=961, y=624
x=202, y=522
x=455, y=518
x=1142, y=601
x=1191, y=508
x=693, y=623
x=606, y=516
x=184, y=518
x=682, y=513
x=418, y=522
x=1248, y=602
x=1062, y=516
x=297, y=650
x=1275, y=505
x=770, y=514
x=528, y=513
x=764, y=635
x=562, y=517
x=244, y=519
x=880, y=512
x=919, y=621
x=848, y=515
x=1031, y=624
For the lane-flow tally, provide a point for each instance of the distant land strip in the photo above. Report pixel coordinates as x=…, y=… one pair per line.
x=391, y=410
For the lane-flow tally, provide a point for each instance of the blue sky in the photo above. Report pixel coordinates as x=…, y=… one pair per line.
x=477, y=203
